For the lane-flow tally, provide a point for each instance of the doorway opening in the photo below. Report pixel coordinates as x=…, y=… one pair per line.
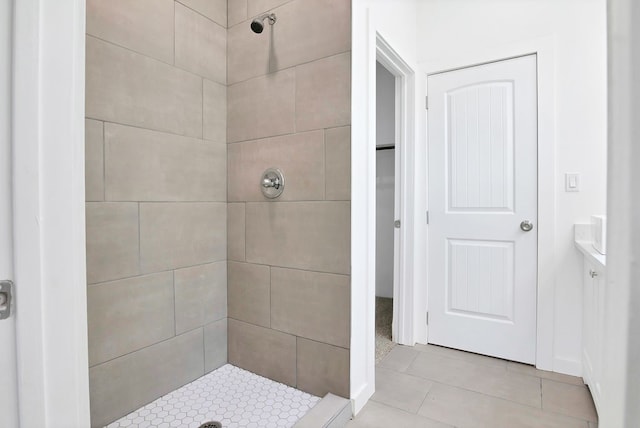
x=386, y=208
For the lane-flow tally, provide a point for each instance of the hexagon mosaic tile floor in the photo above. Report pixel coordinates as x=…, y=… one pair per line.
x=233, y=396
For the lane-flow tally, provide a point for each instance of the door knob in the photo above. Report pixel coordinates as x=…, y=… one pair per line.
x=526, y=225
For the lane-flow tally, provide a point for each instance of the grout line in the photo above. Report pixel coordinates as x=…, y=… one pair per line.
x=202, y=15
x=104, y=162
x=175, y=321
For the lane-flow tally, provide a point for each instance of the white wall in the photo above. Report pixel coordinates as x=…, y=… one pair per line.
x=385, y=184
x=455, y=29
x=621, y=377
x=395, y=20
x=385, y=106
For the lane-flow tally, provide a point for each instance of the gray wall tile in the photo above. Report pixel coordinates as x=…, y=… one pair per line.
x=322, y=368
x=263, y=351
x=256, y=7
x=338, y=163
x=94, y=160
x=143, y=165
x=201, y=45
x=112, y=241
x=248, y=53
x=235, y=232
x=215, y=111
x=261, y=107
x=130, y=314
x=301, y=33
x=249, y=293
x=299, y=156
x=215, y=345
x=323, y=93
x=145, y=26
x=215, y=10
x=311, y=304
x=122, y=385
x=201, y=295
x=174, y=235
x=303, y=235
x=236, y=12
x=128, y=88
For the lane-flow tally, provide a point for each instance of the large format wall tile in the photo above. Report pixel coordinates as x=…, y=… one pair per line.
x=338, y=163
x=130, y=314
x=129, y=382
x=261, y=107
x=235, y=232
x=215, y=10
x=263, y=351
x=248, y=53
x=94, y=160
x=303, y=235
x=143, y=165
x=249, y=293
x=322, y=368
x=299, y=156
x=236, y=11
x=144, y=26
x=215, y=111
x=215, y=345
x=308, y=30
x=311, y=304
x=201, y=295
x=323, y=93
x=256, y=7
x=174, y=235
x=112, y=241
x=201, y=45
x=128, y=88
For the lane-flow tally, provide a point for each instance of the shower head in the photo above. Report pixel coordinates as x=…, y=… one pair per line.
x=257, y=25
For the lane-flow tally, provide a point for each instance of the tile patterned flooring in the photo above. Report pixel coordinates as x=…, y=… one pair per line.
x=235, y=397
x=430, y=386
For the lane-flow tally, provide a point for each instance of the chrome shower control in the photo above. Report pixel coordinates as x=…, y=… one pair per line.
x=272, y=183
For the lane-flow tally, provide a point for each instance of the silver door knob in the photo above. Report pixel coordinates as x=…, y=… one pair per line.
x=526, y=225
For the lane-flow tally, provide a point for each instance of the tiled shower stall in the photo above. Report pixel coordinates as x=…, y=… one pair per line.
x=188, y=265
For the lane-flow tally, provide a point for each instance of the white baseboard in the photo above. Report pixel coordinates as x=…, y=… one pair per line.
x=359, y=400
x=566, y=366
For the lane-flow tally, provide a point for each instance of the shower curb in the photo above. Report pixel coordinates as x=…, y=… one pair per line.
x=331, y=412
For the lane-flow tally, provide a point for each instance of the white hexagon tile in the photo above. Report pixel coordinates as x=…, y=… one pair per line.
x=233, y=396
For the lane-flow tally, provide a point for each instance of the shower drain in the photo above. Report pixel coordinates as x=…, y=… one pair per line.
x=212, y=424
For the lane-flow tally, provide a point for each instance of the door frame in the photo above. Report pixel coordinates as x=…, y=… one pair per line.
x=48, y=212
x=544, y=50
x=402, y=325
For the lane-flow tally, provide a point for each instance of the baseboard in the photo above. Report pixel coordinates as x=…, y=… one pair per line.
x=566, y=366
x=359, y=400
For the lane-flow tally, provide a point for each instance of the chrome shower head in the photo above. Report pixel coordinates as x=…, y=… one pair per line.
x=257, y=25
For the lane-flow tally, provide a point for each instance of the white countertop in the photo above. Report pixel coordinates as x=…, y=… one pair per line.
x=583, y=243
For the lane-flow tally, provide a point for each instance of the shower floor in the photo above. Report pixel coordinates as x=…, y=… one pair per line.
x=233, y=396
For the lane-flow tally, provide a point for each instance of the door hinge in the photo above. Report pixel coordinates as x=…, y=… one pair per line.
x=427, y=217
x=6, y=291
x=427, y=318
x=426, y=102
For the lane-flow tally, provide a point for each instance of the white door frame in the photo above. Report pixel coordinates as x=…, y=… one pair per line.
x=544, y=50
x=48, y=212
x=402, y=262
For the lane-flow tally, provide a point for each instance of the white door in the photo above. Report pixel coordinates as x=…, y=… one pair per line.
x=482, y=198
x=8, y=379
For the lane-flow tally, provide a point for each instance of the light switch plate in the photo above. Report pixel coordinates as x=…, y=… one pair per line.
x=572, y=182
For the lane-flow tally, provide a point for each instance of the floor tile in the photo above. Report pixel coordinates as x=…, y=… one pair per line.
x=527, y=369
x=487, y=379
x=568, y=400
x=463, y=408
x=376, y=415
x=462, y=355
x=399, y=390
x=399, y=359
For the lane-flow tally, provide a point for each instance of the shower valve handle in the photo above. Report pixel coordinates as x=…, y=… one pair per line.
x=271, y=182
